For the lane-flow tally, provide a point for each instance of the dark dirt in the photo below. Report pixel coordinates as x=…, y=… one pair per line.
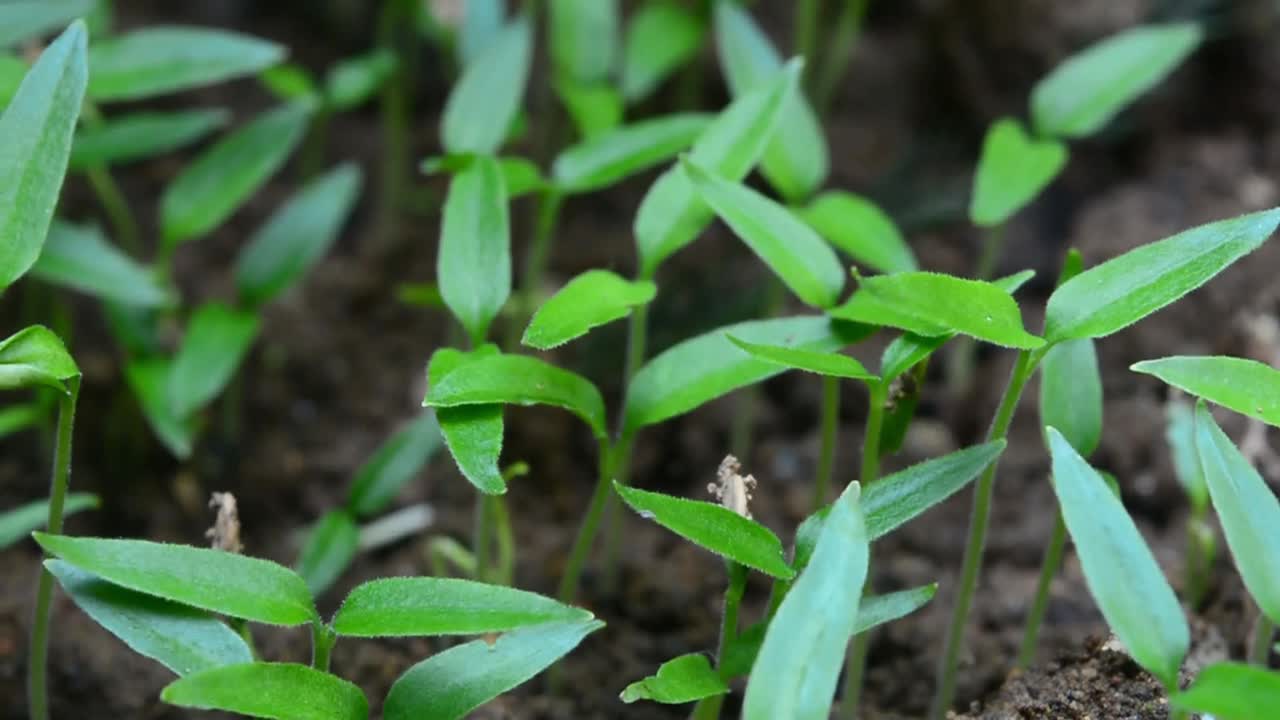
x=343, y=362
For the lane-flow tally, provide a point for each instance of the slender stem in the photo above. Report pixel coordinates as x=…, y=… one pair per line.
x=1174, y=712
x=586, y=534
x=322, y=641
x=313, y=147
x=965, y=350
x=709, y=708
x=827, y=452
x=395, y=119
x=637, y=332
x=506, y=540
x=1023, y=369
x=1200, y=551
x=482, y=531
x=37, y=690
x=877, y=392
x=116, y=207
x=806, y=23
x=1260, y=649
x=1048, y=569
x=748, y=400
x=848, y=27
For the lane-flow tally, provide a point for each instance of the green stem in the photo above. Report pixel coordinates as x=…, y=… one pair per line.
x=965, y=351
x=506, y=540
x=586, y=534
x=37, y=690
x=117, y=209
x=806, y=22
x=1048, y=569
x=1260, y=650
x=322, y=641
x=1200, y=551
x=827, y=452
x=748, y=400
x=480, y=538
x=394, y=103
x=848, y=27
x=709, y=708
x=313, y=148
x=1175, y=713
x=1023, y=369
x=637, y=335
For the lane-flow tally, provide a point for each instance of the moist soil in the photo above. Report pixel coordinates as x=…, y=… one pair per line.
x=340, y=366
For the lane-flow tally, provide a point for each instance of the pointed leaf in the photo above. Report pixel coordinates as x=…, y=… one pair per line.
x=22, y=20
x=795, y=253
x=1246, y=386
x=1012, y=171
x=164, y=59
x=448, y=685
x=280, y=691
x=831, y=364
x=474, y=263
x=396, y=462
x=149, y=380
x=352, y=81
x=679, y=680
x=1125, y=289
x=79, y=257
x=217, y=340
x=895, y=499
x=18, y=522
x=906, y=351
x=608, y=158
x=661, y=37
x=1122, y=575
x=331, y=545
x=485, y=99
x=37, y=127
x=584, y=38
x=595, y=108
x=592, y=299
x=1071, y=393
x=714, y=527
x=876, y=610
x=34, y=357
x=1230, y=691
x=1180, y=435
x=858, y=227
x=473, y=433
x=181, y=638
x=142, y=135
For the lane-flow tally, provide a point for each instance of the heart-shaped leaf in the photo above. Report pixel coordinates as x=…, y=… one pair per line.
x=860, y=228
x=485, y=99
x=608, y=158
x=164, y=59
x=589, y=300
x=280, y=691
x=679, y=680
x=1012, y=171
x=1246, y=386
x=142, y=135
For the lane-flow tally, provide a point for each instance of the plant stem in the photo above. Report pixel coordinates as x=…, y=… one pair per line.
x=582, y=543
x=1260, y=649
x=480, y=539
x=748, y=400
x=1048, y=569
x=37, y=690
x=395, y=120
x=1023, y=369
x=709, y=708
x=965, y=351
x=313, y=147
x=848, y=27
x=116, y=207
x=506, y=541
x=322, y=641
x=637, y=332
x=827, y=452
x=806, y=40
x=1200, y=551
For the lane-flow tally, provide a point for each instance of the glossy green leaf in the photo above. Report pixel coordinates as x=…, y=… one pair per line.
x=1125, y=289
x=831, y=364
x=1230, y=691
x=1180, y=435
x=595, y=109
x=1121, y=572
x=34, y=357
x=79, y=257
x=1246, y=386
x=142, y=135
x=218, y=182
x=481, y=23
x=1071, y=393
x=1012, y=283
x=895, y=499
x=1012, y=171
x=448, y=685
x=714, y=527
x=485, y=99
x=795, y=673
x=520, y=380
x=671, y=215
x=149, y=380
x=584, y=38
x=661, y=37
x=709, y=366
x=594, y=298
x=401, y=607
x=795, y=253
x=795, y=162
x=222, y=582
x=298, y=235
x=604, y=160
x=181, y=638
x=18, y=522
x=680, y=680
x=473, y=433
x=1248, y=510
x=163, y=59
x=280, y=691
x=1081, y=95
x=331, y=544
x=36, y=129
x=473, y=267
x=22, y=20
x=217, y=340
x=352, y=81
x=876, y=610
x=396, y=462
x=858, y=227
x=933, y=304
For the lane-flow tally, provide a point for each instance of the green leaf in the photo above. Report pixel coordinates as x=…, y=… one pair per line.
x=396, y=462
x=1230, y=691
x=79, y=257
x=714, y=527
x=481, y=23
x=589, y=300
x=795, y=253
x=584, y=38
x=906, y=351
x=933, y=304
x=473, y=266
x=448, y=685
x=1180, y=435
x=181, y=638
x=213, y=186
x=661, y=37
x=671, y=215
x=1012, y=171
x=520, y=380
x=680, y=680
x=521, y=176
x=149, y=380
x=876, y=610
x=1246, y=386
x=473, y=433
x=832, y=364
x=1121, y=573
x=34, y=357
x=1081, y=95
x=795, y=162
x=1125, y=289
x=858, y=227
x=709, y=366
x=352, y=81
x=12, y=70
x=22, y=20
x=142, y=135
x=795, y=674
x=895, y=499
x=1248, y=510
x=217, y=340
x=297, y=235
x=37, y=127
x=18, y=522
x=1071, y=393
x=221, y=582
x=164, y=59
x=594, y=108
x=331, y=544
x=402, y=607
x=485, y=99
x=281, y=691
x=289, y=82
x=606, y=159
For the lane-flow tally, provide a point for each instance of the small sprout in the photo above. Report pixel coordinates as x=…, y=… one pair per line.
x=731, y=488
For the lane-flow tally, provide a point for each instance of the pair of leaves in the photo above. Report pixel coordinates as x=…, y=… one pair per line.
x=1012, y=171
x=35, y=357
x=165, y=59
